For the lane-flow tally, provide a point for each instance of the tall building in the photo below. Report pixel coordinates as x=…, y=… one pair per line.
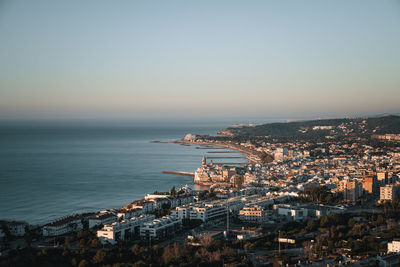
x=382, y=178
x=369, y=184
x=204, y=161
x=389, y=193
x=349, y=189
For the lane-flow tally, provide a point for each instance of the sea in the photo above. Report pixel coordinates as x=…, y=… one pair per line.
x=50, y=169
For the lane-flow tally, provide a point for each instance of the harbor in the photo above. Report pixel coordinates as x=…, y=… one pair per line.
x=211, y=150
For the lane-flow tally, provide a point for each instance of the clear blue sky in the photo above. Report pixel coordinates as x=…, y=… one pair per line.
x=140, y=59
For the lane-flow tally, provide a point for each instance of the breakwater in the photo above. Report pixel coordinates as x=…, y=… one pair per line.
x=179, y=173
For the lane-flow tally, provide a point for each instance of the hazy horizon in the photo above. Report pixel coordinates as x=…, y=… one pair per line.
x=249, y=60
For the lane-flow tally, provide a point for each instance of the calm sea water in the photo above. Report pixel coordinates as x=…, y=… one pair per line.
x=52, y=169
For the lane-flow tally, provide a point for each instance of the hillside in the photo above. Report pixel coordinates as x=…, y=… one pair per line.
x=331, y=128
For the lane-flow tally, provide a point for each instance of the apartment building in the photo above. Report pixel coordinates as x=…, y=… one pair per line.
x=160, y=228
x=253, y=214
x=102, y=218
x=124, y=230
x=63, y=226
x=204, y=212
x=389, y=193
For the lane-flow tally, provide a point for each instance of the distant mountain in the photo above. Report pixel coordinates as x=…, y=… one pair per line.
x=326, y=128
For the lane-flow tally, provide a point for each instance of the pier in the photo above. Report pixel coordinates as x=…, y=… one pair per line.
x=179, y=173
x=224, y=152
x=230, y=163
x=227, y=157
x=199, y=147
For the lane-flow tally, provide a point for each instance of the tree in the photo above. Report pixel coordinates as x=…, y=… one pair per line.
x=311, y=225
x=139, y=264
x=203, y=194
x=83, y=263
x=206, y=241
x=82, y=243
x=99, y=257
x=68, y=241
x=136, y=250
x=379, y=220
x=324, y=221
x=95, y=243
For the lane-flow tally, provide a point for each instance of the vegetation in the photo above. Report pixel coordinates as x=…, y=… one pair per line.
x=214, y=254
x=320, y=195
x=290, y=130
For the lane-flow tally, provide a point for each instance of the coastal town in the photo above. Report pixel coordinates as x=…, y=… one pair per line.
x=331, y=198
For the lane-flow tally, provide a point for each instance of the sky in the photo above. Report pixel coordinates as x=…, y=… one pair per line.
x=192, y=59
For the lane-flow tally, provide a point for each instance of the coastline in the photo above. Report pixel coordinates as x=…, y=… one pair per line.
x=252, y=157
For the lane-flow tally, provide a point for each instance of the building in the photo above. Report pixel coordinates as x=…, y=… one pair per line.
x=62, y=226
x=160, y=228
x=207, y=212
x=389, y=193
x=212, y=173
x=394, y=246
x=294, y=213
x=350, y=189
x=167, y=199
x=253, y=214
x=322, y=210
x=129, y=213
x=181, y=213
x=145, y=205
x=204, y=212
x=369, y=184
x=124, y=230
x=382, y=178
x=102, y=218
x=13, y=227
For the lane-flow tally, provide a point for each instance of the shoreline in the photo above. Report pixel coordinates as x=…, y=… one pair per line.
x=252, y=157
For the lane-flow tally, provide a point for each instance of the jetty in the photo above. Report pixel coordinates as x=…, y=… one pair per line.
x=230, y=163
x=227, y=151
x=209, y=147
x=227, y=157
x=179, y=173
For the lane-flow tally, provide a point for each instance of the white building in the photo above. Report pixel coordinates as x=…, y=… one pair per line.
x=394, y=246
x=173, y=201
x=127, y=214
x=204, y=212
x=291, y=212
x=102, y=218
x=207, y=212
x=182, y=212
x=320, y=210
x=112, y=233
x=146, y=206
x=63, y=226
x=160, y=228
x=14, y=228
